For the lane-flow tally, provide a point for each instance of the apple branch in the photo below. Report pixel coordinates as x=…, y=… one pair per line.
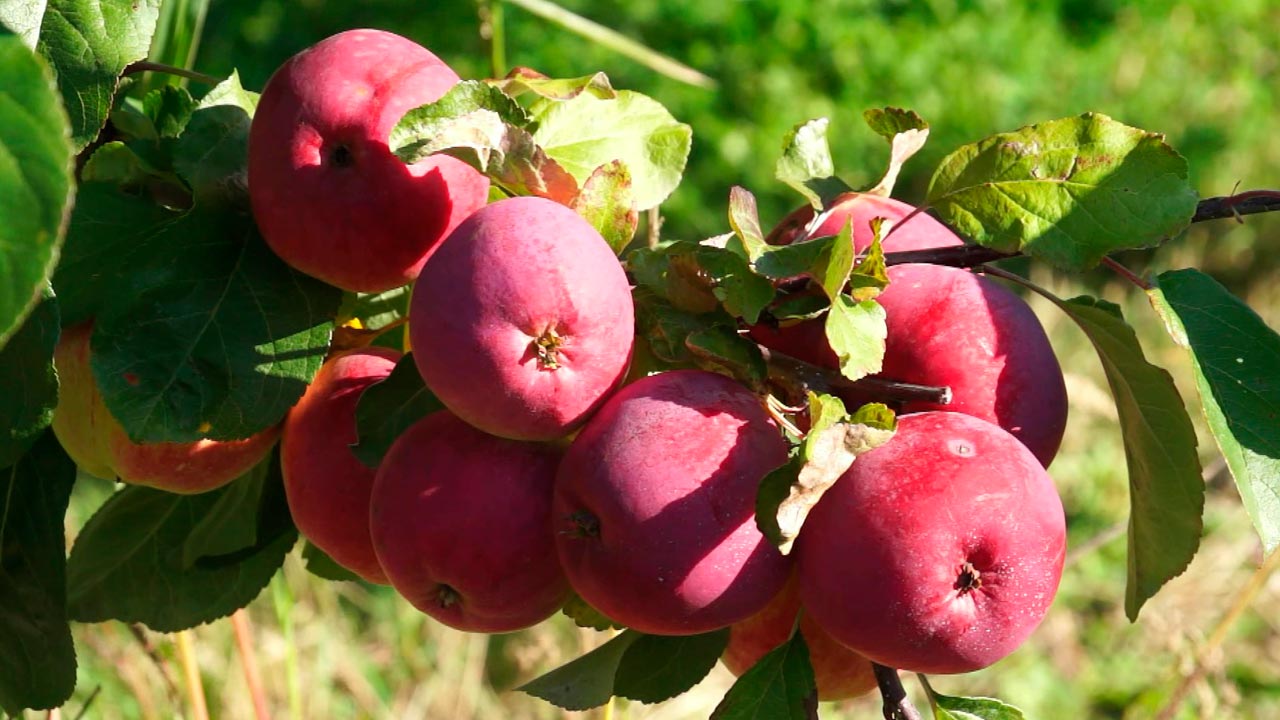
x=798, y=376
x=148, y=66
x=1249, y=202
x=897, y=706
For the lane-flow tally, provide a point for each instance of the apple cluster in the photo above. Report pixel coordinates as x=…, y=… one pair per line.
x=552, y=471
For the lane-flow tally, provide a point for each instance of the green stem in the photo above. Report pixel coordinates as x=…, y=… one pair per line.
x=147, y=66
x=282, y=600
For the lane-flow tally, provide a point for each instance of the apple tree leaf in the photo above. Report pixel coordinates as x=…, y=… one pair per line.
x=857, y=332
x=231, y=523
x=322, y=566
x=211, y=153
x=28, y=383
x=1234, y=356
x=744, y=218
x=870, y=276
x=806, y=164
x=606, y=202
x=657, y=668
x=1067, y=191
x=665, y=328
x=586, y=682
x=89, y=43
x=586, y=132
x=948, y=707
x=37, y=657
x=36, y=163
x=23, y=17
x=906, y=132
x=780, y=686
x=1166, y=491
x=388, y=407
x=131, y=559
x=523, y=80
x=584, y=615
x=720, y=348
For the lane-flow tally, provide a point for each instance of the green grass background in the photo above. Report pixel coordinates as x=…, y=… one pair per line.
x=1206, y=73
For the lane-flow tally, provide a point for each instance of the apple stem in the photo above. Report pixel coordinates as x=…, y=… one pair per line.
x=798, y=376
x=1126, y=273
x=897, y=706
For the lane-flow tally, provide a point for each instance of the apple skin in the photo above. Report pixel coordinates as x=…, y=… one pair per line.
x=98, y=443
x=328, y=195
x=882, y=557
x=921, y=232
x=327, y=487
x=462, y=526
x=840, y=672
x=511, y=275
x=655, y=505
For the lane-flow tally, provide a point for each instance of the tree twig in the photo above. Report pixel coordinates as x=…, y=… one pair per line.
x=798, y=376
x=897, y=706
x=1249, y=202
x=148, y=66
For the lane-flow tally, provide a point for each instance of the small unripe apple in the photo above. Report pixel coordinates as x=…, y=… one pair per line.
x=655, y=505
x=327, y=193
x=462, y=525
x=326, y=485
x=522, y=321
x=840, y=672
x=97, y=442
x=937, y=552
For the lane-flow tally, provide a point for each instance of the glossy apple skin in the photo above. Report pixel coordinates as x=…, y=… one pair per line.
x=840, y=672
x=881, y=558
x=327, y=193
x=462, y=526
x=509, y=275
x=921, y=232
x=327, y=487
x=98, y=443
x=655, y=505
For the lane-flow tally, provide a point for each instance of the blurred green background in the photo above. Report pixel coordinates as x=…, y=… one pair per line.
x=1205, y=73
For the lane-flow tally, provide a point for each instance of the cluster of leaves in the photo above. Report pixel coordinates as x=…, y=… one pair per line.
x=131, y=213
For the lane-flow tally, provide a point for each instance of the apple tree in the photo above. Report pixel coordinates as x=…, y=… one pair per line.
x=432, y=333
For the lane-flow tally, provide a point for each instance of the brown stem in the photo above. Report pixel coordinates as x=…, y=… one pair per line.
x=249, y=663
x=960, y=256
x=799, y=376
x=148, y=66
x=897, y=706
x=1249, y=202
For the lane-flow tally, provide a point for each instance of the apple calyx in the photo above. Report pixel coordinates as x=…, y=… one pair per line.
x=547, y=347
x=446, y=596
x=585, y=525
x=969, y=579
x=340, y=155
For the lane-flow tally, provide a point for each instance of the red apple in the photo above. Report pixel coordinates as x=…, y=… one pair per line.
x=99, y=445
x=655, y=505
x=522, y=322
x=840, y=672
x=462, y=526
x=326, y=486
x=937, y=552
x=920, y=232
x=327, y=194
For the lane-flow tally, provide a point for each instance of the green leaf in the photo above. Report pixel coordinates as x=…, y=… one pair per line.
x=720, y=348
x=834, y=266
x=780, y=686
x=1234, y=356
x=231, y=523
x=802, y=258
x=657, y=668
x=774, y=489
x=947, y=707
x=906, y=132
x=169, y=107
x=741, y=291
x=870, y=275
x=806, y=164
x=1067, y=191
x=89, y=43
x=119, y=164
x=586, y=682
x=856, y=332
x=323, y=566
x=672, y=272
x=36, y=162
x=37, y=658
x=388, y=407
x=212, y=153
x=583, y=615
x=1166, y=492
x=586, y=132
x=129, y=561
x=523, y=80
x=23, y=17
x=28, y=383
x=744, y=218
x=219, y=340
x=606, y=201
x=665, y=328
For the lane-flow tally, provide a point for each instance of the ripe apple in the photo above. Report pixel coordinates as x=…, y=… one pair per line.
x=655, y=505
x=99, y=445
x=327, y=194
x=921, y=232
x=522, y=321
x=840, y=672
x=937, y=552
x=326, y=485
x=462, y=525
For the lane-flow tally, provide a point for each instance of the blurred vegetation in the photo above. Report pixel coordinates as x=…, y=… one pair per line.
x=1206, y=73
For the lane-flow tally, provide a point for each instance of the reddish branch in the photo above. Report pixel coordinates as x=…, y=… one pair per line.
x=798, y=376
x=897, y=706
